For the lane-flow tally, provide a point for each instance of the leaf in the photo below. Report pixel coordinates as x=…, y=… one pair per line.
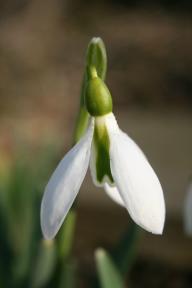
x=44, y=265
x=65, y=238
x=68, y=275
x=109, y=275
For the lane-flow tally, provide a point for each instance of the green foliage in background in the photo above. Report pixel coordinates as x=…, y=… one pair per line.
x=20, y=236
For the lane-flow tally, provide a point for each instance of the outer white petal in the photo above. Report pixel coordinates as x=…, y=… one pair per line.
x=64, y=185
x=136, y=181
x=113, y=193
x=188, y=211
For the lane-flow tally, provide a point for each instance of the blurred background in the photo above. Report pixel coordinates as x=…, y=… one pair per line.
x=42, y=53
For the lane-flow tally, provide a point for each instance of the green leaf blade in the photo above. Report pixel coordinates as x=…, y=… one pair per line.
x=109, y=275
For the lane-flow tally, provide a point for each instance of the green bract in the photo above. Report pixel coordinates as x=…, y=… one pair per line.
x=98, y=99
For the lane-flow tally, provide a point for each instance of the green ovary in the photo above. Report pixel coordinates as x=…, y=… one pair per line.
x=101, y=143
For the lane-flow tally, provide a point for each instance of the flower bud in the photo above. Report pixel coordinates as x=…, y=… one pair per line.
x=98, y=99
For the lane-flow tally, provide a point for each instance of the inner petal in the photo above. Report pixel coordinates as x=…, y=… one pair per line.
x=100, y=162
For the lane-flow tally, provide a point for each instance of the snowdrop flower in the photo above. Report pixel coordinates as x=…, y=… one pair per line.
x=187, y=217
x=117, y=164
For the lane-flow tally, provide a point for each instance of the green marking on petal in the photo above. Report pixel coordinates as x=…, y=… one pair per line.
x=102, y=145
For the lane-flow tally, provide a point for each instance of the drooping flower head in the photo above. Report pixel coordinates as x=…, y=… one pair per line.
x=117, y=164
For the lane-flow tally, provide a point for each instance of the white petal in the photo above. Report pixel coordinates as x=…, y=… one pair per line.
x=188, y=211
x=113, y=193
x=64, y=185
x=136, y=181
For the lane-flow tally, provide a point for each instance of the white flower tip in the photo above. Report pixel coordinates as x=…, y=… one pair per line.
x=154, y=228
x=158, y=227
x=154, y=222
x=47, y=229
x=46, y=235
